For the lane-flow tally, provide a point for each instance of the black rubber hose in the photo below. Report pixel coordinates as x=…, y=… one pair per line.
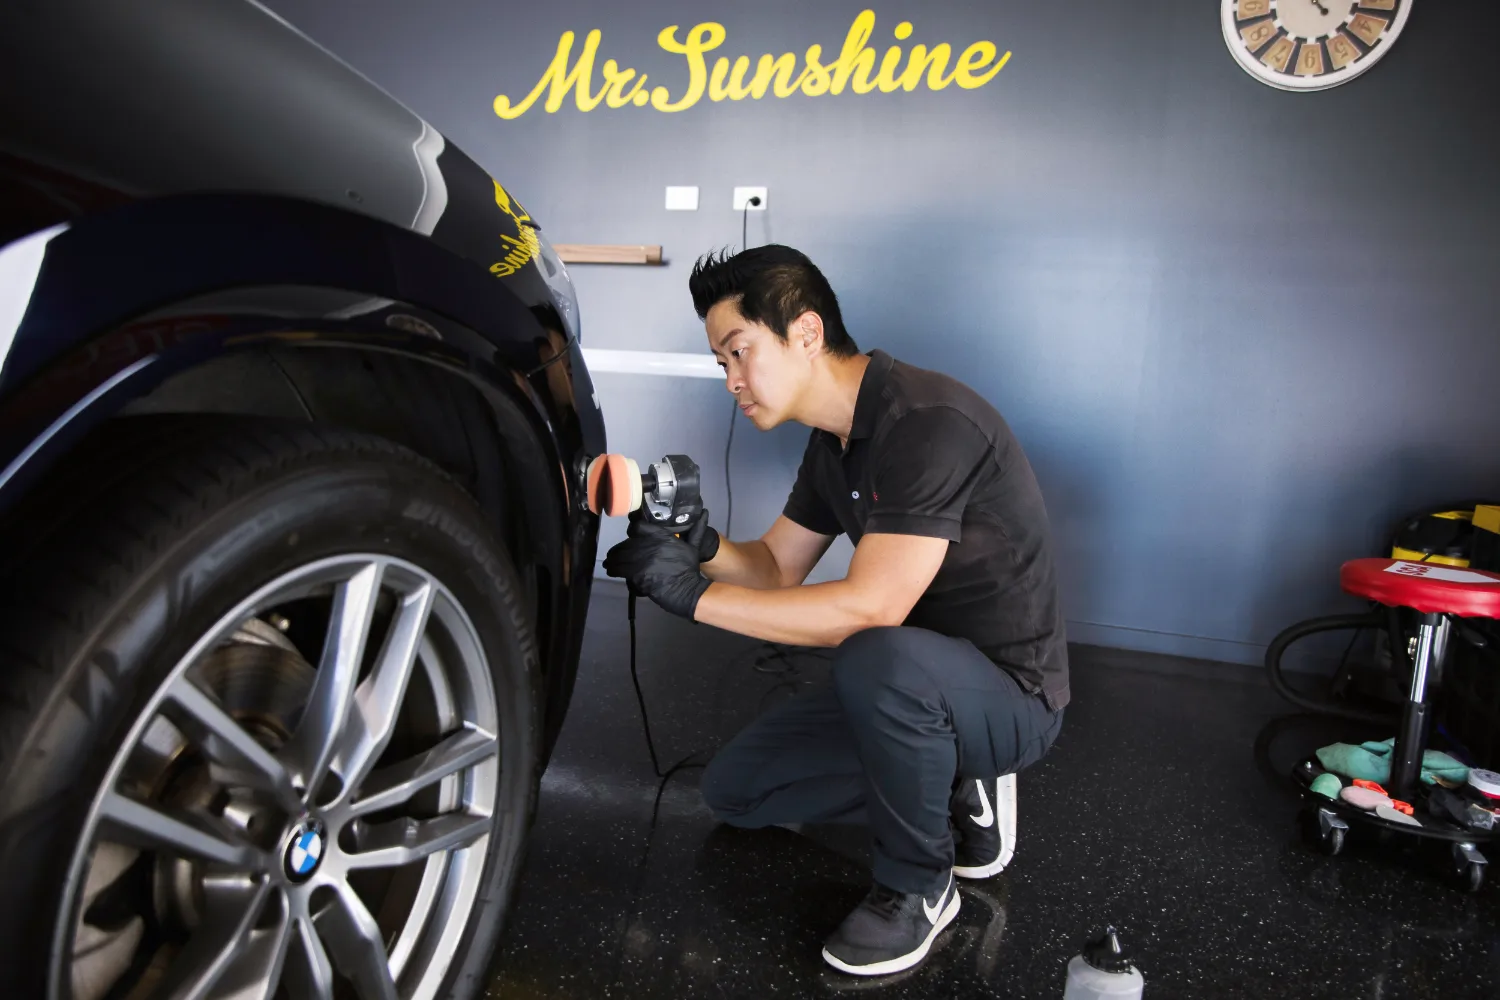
x=1312, y=626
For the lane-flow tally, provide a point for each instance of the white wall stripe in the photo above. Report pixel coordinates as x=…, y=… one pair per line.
x=651, y=363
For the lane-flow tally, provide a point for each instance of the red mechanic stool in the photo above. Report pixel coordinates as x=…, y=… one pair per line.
x=1439, y=593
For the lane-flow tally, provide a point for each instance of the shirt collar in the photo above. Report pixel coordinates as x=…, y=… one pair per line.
x=866, y=403
x=871, y=387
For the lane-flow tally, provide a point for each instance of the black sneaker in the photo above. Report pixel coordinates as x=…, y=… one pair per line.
x=890, y=930
x=984, y=826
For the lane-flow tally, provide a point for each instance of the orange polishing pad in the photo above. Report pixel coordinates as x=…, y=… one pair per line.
x=596, y=473
x=624, y=486
x=617, y=480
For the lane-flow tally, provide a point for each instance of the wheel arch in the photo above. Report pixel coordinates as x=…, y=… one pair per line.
x=360, y=325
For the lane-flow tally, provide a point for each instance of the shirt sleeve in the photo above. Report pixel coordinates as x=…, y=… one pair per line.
x=806, y=505
x=926, y=468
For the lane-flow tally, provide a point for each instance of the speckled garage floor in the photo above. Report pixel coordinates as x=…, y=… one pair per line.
x=1161, y=809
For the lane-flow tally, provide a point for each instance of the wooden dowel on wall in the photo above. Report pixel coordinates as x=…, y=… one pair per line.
x=603, y=253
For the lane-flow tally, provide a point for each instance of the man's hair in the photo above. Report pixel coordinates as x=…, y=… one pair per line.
x=771, y=285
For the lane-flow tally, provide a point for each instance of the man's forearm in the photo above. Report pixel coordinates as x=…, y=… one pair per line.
x=820, y=614
x=744, y=564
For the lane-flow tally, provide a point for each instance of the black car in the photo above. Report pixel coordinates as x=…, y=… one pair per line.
x=296, y=556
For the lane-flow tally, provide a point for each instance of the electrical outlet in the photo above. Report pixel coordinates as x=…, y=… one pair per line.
x=742, y=196
x=682, y=199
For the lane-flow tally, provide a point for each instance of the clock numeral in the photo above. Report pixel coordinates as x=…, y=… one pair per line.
x=1341, y=51
x=1253, y=8
x=1378, y=4
x=1368, y=27
x=1258, y=35
x=1310, y=60
x=1279, y=54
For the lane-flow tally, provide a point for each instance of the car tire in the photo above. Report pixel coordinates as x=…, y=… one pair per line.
x=154, y=536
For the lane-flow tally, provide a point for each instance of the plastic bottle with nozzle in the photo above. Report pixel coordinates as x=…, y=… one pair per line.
x=1103, y=972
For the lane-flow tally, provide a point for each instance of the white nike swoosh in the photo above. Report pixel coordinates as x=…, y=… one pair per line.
x=986, y=815
x=933, y=912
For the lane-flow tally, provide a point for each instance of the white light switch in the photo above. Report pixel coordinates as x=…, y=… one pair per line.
x=682, y=199
x=742, y=196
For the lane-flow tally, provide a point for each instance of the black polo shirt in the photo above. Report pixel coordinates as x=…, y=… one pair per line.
x=929, y=456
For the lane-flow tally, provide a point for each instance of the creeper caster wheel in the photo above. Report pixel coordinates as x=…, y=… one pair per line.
x=1469, y=866
x=1324, y=830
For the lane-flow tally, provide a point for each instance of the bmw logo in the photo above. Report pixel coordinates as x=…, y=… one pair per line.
x=304, y=850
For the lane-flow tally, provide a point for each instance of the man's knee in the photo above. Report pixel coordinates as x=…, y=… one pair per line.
x=724, y=792
x=877, y=661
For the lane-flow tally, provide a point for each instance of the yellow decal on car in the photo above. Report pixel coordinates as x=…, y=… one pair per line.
x=856, y=62
x=524, y=245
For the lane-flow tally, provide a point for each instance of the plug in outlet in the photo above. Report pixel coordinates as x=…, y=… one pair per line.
x=742, y=196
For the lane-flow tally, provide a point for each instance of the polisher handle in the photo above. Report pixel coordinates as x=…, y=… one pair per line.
x=695, y=533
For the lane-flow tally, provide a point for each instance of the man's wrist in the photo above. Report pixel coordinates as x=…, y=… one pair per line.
x=698, y=601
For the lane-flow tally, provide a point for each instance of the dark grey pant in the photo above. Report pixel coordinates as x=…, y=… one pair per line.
x=906, y=714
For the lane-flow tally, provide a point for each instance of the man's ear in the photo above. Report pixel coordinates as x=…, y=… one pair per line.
x=809, y=327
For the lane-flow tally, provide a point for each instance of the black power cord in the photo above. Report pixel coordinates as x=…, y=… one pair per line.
x=788, y=674
x=728, y=488
x=772, y=651
x=753, y=202
x=640, y=699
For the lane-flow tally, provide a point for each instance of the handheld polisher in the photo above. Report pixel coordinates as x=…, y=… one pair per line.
x=667, y=490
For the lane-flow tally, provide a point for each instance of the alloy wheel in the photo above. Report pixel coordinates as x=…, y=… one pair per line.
x=269, y=827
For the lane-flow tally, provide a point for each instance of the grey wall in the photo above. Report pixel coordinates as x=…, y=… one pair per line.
x=1237, y=330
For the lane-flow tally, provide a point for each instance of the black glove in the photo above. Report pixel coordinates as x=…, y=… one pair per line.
x=660, y=565
x=708, y=538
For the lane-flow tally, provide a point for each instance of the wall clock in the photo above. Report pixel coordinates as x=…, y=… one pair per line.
x=1310, y=44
